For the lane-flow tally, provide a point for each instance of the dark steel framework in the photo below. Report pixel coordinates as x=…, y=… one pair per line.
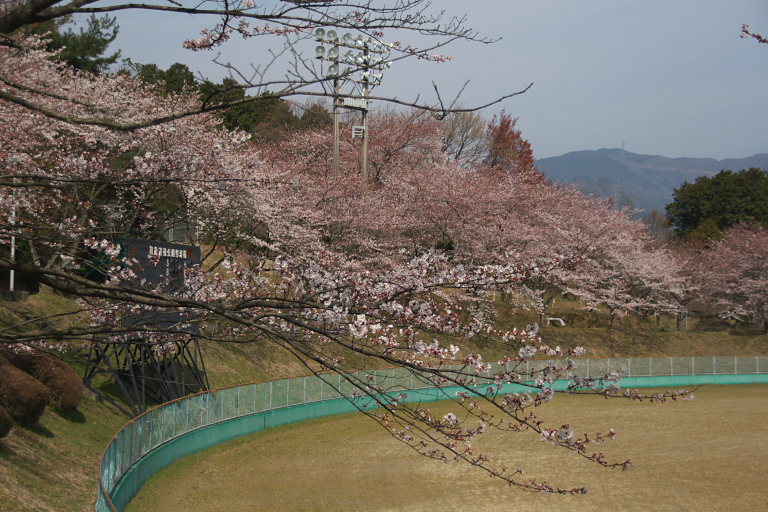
x=145, y=372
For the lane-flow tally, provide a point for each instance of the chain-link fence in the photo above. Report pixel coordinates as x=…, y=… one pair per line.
x=176, y=419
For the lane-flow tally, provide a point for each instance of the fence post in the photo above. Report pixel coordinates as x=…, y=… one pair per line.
x=714, y=365
x=672, y=366
x=238, y=401
x=122, y=453
x=693, y=365
x=131, y=446
x=650, y=367
x=270, y=394
x=305, y=389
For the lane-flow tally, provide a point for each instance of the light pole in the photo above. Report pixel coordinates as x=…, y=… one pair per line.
x=12, y=274
x=333, y=70
x=371, y=59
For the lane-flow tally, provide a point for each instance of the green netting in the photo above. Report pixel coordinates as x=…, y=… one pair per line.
x=168, y=423
x=312, y=389
x=403, y=379
x=703, y=365
x=296, y=391
x=662, y=366
x=229, y=403
x=146, y=432
x=640, y=367
x=746, y=364
x=597, y=367
x=279, y=393
x=682, y=365
x=725, y=364
x=263, y=400
x=245, y=399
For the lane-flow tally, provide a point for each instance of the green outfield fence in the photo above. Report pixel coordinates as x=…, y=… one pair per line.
x=185, y=426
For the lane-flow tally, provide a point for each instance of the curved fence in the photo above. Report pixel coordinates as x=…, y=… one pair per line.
x=185, y=426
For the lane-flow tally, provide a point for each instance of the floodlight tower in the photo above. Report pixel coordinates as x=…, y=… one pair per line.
x=370, y=59
x=333, y=70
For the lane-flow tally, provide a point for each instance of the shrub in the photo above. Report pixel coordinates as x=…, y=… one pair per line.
x=23, y=396
x=64, y=383
x=21, y=361
x=6, y=422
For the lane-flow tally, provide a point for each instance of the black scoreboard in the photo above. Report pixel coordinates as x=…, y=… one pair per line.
x=161, y=263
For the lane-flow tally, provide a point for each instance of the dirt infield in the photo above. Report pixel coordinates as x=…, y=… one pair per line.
x=705, y=455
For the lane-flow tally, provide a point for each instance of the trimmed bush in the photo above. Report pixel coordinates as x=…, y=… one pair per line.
x=21, y=361
x=65, y=384
x=23, y=396
x=62, y=380
x=6, y=422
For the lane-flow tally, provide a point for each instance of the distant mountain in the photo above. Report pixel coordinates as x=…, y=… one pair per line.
x=643, y=181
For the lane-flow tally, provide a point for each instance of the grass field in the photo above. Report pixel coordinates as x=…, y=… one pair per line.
x=708, y=454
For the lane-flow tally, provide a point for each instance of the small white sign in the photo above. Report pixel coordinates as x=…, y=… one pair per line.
x=356, y=103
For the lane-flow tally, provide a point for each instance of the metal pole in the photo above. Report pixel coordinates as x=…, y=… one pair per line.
x=364, y=167
x=336, y=115
x=12, y=277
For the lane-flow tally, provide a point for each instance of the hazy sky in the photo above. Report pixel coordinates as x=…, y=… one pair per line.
x=663, y=77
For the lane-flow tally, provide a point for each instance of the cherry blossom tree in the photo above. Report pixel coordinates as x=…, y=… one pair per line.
x=735, y=272
x=346, y=275
x=627, y=272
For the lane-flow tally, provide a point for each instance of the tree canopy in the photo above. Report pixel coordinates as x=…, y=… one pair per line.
x=709, y=205
x=84, y=50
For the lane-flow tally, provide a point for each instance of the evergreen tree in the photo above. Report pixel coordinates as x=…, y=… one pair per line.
x=727, y=199
x=268, y=118
x=85, y=50
x=175, y=80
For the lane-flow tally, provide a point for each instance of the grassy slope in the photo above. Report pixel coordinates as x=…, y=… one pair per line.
x=55, y=466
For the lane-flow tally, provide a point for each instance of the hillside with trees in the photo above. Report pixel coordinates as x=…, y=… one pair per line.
x=641, y=181
x=710, y=206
